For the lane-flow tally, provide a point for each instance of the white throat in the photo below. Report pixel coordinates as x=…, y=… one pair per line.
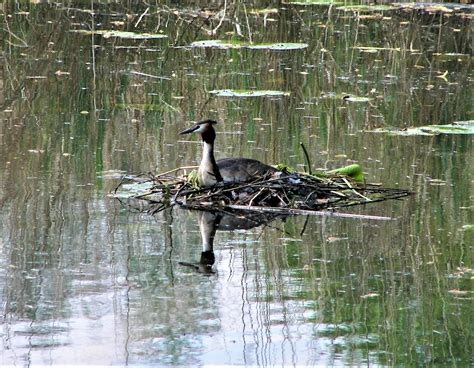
x=206, y=171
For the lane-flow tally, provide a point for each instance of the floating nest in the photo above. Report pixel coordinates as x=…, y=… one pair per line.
x=287, y=193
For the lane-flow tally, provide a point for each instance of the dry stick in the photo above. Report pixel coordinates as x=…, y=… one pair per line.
x=349, y=185
x=223, y=190
x=394, y=196
x=254, y=183
x=120, y=184
x=258, y=183
x=309, y=196
x=178, y=191
x=276, y=186
x=282, y=200
x=290, y=211
x=141, y=17
x=214, y=31
x=248, y=24
x=176, y=169
x=255, y=196
x=25, y=44
x=148, y=75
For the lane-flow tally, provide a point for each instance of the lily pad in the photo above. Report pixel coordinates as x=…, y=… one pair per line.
x=315, y=2
x=220, y=44
x=372, y=49
x=367, y=8
x=428, y=7
x=247, y=93
x=345, y=97
x=452, y=55
x=278, y=46
x=146, y=107
x=351, y=98
x=121, y=34
x=265, y=11
x=459, y=127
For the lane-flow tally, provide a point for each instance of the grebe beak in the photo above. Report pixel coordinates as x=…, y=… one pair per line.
x=190, y=130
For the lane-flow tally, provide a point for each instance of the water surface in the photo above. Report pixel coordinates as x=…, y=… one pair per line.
x=84, y=280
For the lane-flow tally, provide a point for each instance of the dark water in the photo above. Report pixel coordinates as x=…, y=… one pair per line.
x=85, y=281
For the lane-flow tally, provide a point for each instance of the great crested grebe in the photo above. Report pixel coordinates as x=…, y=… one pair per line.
x=227, y=170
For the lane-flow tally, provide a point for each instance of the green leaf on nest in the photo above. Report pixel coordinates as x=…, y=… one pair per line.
x=353, y=171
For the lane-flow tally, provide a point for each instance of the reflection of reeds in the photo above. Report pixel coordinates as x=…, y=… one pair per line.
x=391, y=279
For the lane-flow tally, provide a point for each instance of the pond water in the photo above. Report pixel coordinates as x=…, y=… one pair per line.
x=84, y=280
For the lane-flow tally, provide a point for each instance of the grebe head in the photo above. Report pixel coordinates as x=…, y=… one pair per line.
x=208, y=134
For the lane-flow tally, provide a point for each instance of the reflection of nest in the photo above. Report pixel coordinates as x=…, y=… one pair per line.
x=287, y=194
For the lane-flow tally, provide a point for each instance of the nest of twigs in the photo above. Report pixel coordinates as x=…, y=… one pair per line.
x=286, y=193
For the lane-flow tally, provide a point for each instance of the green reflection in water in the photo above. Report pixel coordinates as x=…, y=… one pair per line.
x=76, y=109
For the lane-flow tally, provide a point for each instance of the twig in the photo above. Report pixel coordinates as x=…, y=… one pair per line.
x=148, y=75
x=214, y=31
x=293, y=211
x=141, y=17
x=294, y=194
x=255, y=196
x=177, y=169
x=25, y=44
x=248, y=24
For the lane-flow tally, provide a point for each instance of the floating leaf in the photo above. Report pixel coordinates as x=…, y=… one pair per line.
x=367, y=8
x=213, y=44
x=452, y=55
x=356, y=99
x=121, y=34
x=369, y=295
x=433, y=7
x=460, y=127
x=314, y=2
x=247, y=93
x=146, y=107
x=278, y=46
x=264, y=11
x=219, y=44
x=464, y=122
x=345, y=97
x=458, y=292
x=372, y=49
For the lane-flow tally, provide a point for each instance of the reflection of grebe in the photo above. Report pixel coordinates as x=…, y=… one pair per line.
x=210, y=222
x=227, y=169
